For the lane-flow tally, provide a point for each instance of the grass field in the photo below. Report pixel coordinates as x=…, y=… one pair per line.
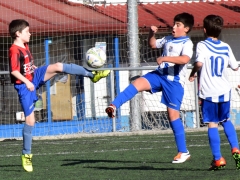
x=140, y=157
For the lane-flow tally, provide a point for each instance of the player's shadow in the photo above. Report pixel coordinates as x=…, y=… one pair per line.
x=3, y=168
x=147, y=168
x=72, y=162
x=76, y=161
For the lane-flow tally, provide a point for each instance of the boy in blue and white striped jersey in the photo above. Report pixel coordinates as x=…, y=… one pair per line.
x=212, y=60
x=169, y=77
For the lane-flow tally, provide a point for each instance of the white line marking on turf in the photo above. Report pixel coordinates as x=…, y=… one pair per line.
x=103, y=151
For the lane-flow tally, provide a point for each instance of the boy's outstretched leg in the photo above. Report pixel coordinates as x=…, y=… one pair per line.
x=74, y=69
x=139, y=85
x=123, y=97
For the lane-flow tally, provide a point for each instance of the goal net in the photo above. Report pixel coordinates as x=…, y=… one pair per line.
x=63, y=30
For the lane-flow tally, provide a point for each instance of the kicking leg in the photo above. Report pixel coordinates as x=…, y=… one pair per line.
x=73, y=69
x=139, y=85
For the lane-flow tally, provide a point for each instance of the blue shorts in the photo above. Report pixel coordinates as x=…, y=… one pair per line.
x=28, y=98
x=215, y=112
x=172, y=92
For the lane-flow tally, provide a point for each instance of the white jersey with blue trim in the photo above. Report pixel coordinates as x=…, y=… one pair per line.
x=175, y=47
x=216, y=56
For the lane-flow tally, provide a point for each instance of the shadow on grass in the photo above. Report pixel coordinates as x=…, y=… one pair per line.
x=5, y=168
x=76, y=161
x=72, y=162
x=10, y=166
x=147, y=168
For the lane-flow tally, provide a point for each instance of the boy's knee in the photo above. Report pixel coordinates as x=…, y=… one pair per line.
x=58, y=66
x=212, y=125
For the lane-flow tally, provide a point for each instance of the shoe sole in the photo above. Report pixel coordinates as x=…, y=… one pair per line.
x=236, y=157
x=25, y=167
x=217, y=168
x=110, y=111
x=178, y=162
x=27, y=170
x=104, y=76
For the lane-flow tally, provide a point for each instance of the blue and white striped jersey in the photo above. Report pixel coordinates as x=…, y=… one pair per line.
x=175, y=47
x=216, y=56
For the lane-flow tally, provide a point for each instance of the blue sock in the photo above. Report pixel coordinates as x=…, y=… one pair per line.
x=214, y=142
x=125, y=96
x=179, y=134
x=76, y=70
x=27, y=139
x=231, y=134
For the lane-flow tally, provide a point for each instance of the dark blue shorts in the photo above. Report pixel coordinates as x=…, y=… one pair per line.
x=172, y=92
x=28, y=98
x=215, y=112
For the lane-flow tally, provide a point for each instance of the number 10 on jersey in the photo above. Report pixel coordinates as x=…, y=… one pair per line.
x=216, y=63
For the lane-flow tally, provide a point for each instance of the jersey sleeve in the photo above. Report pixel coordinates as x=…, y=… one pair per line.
x=188, y=49
x=200, y=55
x=14, y=60
x=232, y=60
x=160, y=42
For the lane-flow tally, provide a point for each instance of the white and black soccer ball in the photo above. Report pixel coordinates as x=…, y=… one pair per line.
x=95, y=57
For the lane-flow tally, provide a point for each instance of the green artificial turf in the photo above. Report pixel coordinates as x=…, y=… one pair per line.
x=146, y=157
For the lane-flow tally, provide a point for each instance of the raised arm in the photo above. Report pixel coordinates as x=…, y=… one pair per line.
x=151, y=36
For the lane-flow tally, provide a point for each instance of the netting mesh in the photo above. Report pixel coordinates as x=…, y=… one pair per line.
x=78, y=105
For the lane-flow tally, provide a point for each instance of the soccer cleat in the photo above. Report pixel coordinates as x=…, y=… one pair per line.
x=236, y=157
x=111, y=111
x=27, y=162
x=217, y=164
x=99, y=75
x=181, y=157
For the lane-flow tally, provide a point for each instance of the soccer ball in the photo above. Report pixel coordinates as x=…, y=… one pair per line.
x=95, y=57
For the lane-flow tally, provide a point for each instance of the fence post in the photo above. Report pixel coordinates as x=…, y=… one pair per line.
x=196, y=102
x=49, y=110
x=134, y=59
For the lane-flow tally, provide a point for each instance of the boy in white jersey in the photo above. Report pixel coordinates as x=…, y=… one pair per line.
x=168, y=78
x=212, y=59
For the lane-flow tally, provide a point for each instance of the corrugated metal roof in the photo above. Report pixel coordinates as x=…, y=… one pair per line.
x=162, y=14
x=61, y=16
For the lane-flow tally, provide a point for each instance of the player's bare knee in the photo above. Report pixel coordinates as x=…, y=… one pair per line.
x=58, y=67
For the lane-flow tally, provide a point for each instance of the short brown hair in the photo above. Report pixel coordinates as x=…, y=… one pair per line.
x=185, y=18
x=17, y=25
x=213, y=25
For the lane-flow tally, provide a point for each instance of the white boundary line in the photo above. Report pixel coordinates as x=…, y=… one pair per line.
x=105, y=151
